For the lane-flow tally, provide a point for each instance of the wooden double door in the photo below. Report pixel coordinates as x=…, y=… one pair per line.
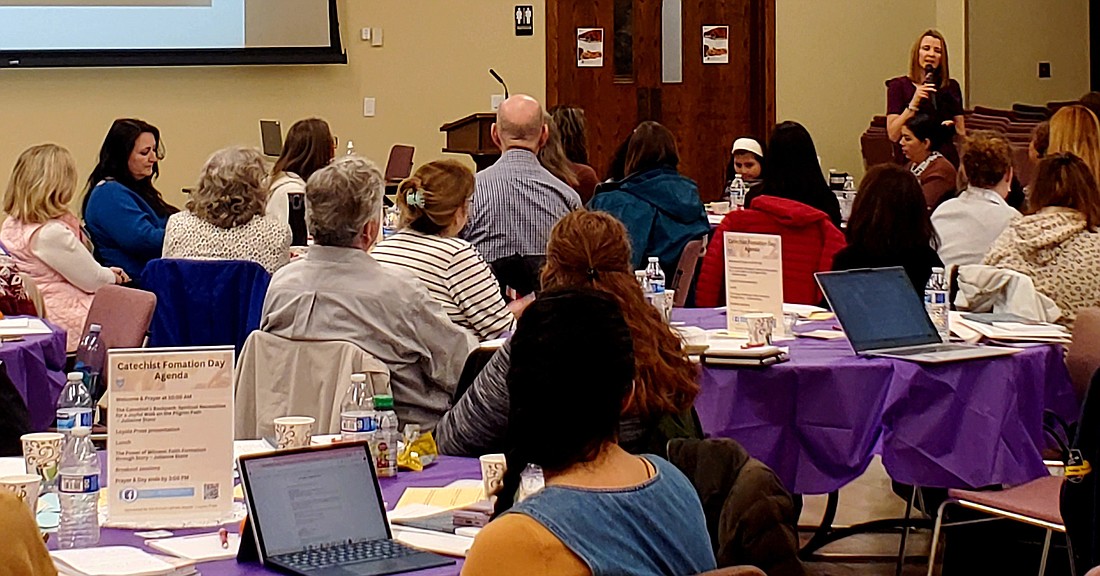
x=710, y=105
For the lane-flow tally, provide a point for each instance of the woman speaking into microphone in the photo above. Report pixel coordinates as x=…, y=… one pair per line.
x=927, y=89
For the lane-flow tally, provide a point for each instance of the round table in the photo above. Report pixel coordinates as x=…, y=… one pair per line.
x=36, y=366
x=819, y=419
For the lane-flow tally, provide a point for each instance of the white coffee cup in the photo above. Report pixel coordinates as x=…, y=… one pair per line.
x=25, y=486
x=42, y=453
x=760, y=327
x=493, y=467
x=720, y=208
x=293, y=431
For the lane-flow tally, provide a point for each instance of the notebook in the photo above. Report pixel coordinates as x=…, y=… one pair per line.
x=319, y=511
x=883, y=316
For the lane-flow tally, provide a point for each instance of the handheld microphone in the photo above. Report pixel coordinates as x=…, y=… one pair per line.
x=501, y=80
x=929, y=75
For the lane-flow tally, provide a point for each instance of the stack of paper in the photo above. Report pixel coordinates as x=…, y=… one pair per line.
x=119, y=561
x=735, y=352
x=972, y=330
x=23, y=327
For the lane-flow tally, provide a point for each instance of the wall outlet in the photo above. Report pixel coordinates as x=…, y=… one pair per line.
x=376, y=37
x=1044, y=69
x=368, y=107
x=495, y=101
x=365, y=34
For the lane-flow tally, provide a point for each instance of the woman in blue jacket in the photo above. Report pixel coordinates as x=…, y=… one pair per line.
x=660, y=208
x=124, y=213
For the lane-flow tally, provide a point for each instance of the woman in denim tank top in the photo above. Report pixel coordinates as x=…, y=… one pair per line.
x=603, y=511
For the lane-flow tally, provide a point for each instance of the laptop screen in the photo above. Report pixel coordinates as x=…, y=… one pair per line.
x=878, y=308
x=314, y=498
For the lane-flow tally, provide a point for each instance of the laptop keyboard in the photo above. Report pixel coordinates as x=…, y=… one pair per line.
x=346, y=554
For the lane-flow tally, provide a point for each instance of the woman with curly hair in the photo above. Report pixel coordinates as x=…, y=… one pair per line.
x=591, y=250
x=225, y=219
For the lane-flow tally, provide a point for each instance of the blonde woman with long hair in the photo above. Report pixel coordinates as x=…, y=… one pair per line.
x=46, y=240
x=1076, y=130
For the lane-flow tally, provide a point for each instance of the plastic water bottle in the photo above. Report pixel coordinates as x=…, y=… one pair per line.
x=531, y=480
x=74, y=407
x=79, y=492
x=385, y=438
x=655, y=275
x=847, y=198
x=89, y=360
x=738, y=190
x=935, y=302
x=351, y=149
x=357, y=411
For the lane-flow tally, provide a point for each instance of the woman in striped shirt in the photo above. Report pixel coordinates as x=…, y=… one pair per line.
x=433, y=205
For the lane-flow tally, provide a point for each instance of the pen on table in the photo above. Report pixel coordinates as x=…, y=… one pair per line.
x=223, y=535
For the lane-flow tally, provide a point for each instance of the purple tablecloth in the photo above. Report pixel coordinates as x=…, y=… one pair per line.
x=818, y=419
x=36, y=365
x=447, y=470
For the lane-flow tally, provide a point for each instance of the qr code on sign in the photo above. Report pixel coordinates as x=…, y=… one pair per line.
x=211, y=491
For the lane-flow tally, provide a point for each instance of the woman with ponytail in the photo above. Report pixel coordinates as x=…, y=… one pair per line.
x=602, y=510
x=591, y=250
x=434, y=204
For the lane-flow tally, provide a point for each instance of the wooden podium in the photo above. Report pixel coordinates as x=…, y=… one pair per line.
x=473, y=135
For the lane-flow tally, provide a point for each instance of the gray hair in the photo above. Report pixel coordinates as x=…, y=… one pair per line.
x=341, y=198
x=232, y=189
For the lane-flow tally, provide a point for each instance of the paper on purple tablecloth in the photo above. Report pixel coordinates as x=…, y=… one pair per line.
x=36, y=365
x=817, y=419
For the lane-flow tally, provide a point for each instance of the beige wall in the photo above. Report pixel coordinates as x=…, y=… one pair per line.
x=433, y=68
x=832, y=61
x=1008, y=39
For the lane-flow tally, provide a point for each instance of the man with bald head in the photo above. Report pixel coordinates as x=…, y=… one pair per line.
x=517, y=201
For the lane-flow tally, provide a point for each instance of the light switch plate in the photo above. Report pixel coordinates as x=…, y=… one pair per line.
x=365, y=34
x=376, y=37
x=495, y=101
x=368, y=107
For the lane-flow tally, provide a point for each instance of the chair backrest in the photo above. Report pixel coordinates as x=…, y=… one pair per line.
x=1083, y=355
x=684, y=277
x=400, y=163
x=123, y=314
x=205, y=302
x=279, y=377
x=1080, y=498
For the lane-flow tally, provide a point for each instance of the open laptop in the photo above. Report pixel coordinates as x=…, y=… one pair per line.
x=883, y=316
x=318, y=511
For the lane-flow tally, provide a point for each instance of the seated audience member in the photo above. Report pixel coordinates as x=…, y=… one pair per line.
x=1040, y=142
x=616, y=168
x=659, y=207
x=46, y=240
x=124, y=213
x=23, y=553
x=1091, y=101
x=516, y=201
x=309, y=146
x=968, y=225
x=603, y=510
x=809, y=242
x=794, y=172
x=591, y=250
x=225, y=215
x=433, y=206
x=573, y=129
x=890, y=227
x=1075, y=129
x=1056, y=243
x=339, y=292
x=920, y=137
x=552, y=156
x=746, y=159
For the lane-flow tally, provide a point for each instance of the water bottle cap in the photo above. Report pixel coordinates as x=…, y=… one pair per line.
x=80, y=431
x=654, y=259
x=75, y=376
x=383, y=401
x=358, y=378
x=95, y=328
x=937, y=270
